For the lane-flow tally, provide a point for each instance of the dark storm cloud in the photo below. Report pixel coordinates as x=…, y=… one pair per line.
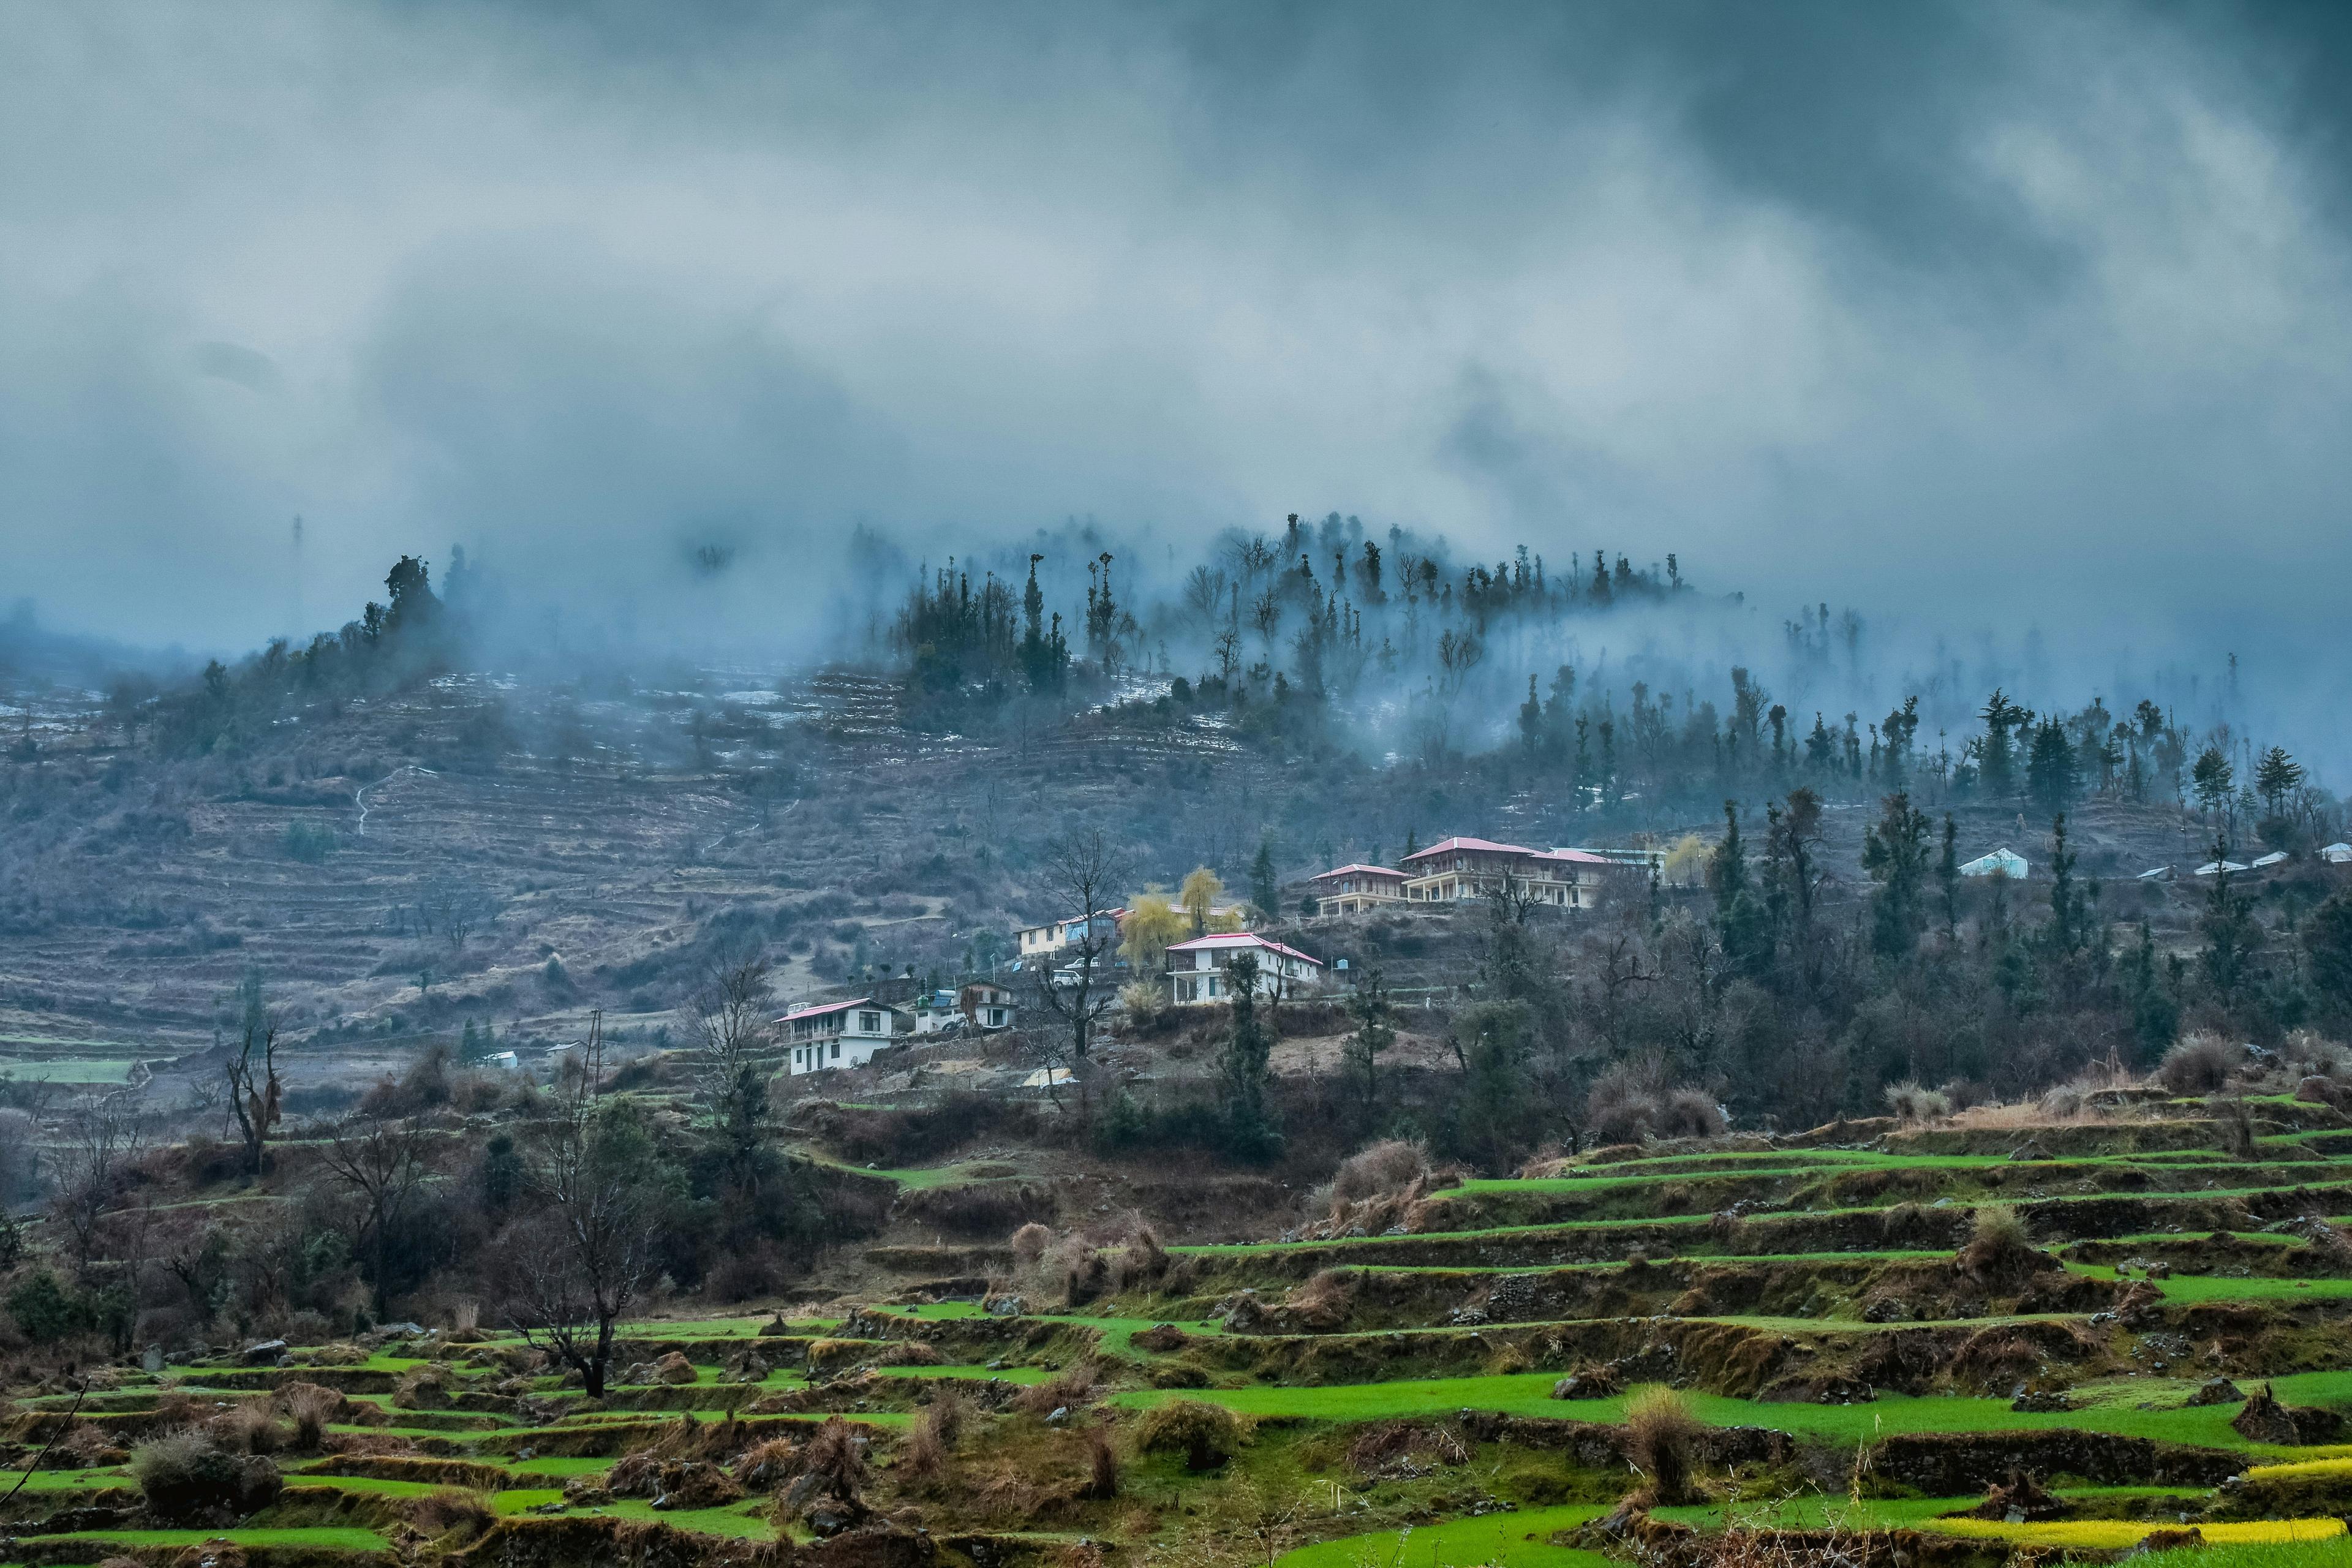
x=1987, y=317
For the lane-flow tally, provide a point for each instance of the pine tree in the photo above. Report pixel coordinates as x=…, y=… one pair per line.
x=1895, y=853
x=2233, y=935
x=2069, y=927
x=1265, y=890
x=1948, y=878
x=2276, y=776
x=1996, y=760
x=2053, y=776
x=1242, y=1064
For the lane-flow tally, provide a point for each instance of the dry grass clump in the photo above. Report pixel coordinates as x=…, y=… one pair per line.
x=835, y=1456
x=909, y=1352
x=2000, y=1250
x=1094, y=1261
x=2202, y=1063
x=1206, y=1435
x=1912, y=1102
x=1102, y=1466
x=1073, y=1389
x=249, y=1427
x=186, y=1477
x=312, y=1408
x=1378, y=1170
x=451, y=1515
x=767, y=1466
x=1320, y=1302
x=1663, y=1438
x=1631, y=1101
x=422, y=1388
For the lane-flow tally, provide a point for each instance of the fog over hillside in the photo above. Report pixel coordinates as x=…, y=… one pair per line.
x=2020, y=331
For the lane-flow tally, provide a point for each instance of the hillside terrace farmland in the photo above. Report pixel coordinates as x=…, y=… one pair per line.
x=1861, y=1334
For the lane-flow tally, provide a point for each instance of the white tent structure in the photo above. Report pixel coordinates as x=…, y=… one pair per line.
x=2002, y=862
x=2214, y=868
x=2275, y=858
x=2157, y=874
x=2338, y=854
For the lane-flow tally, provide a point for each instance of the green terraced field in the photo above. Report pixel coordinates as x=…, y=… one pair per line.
x=1399, y=1389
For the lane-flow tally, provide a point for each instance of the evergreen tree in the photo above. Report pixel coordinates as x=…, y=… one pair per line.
x=2232, y=934
x=1948, y=878
x=1996, y=760
x=2156, y=1016
x=1895, y=853
x=2069, y=928
x=2214, y=779
x=1265, y=890
x=2053, y=775
x=2328, y=942
x=1243, y=1065
x=2276, y=776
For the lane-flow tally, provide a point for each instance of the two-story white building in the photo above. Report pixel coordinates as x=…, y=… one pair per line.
x=1358, y=890
x=842, y=1034
x=1045, y=940
x=1478, y=867
x=1196, y=969
x=985, y=1006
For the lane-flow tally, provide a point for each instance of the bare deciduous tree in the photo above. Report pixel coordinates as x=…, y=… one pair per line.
x=729, y=1013
x=1083, y=869
x=254, y=1091
x=594, y=1234
x=99, y=1138
x=380, y=1161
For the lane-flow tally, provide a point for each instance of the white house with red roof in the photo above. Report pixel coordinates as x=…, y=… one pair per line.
x=1197, y=970
x=1476, y=867
x=840, y=1033
x=1358, y=890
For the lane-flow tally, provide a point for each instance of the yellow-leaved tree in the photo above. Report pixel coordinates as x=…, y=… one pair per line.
x=1199, y=895
x=1151, y=925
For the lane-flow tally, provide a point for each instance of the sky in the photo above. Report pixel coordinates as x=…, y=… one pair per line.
x=2007, y=319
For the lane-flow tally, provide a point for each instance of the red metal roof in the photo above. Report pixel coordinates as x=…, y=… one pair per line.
x=1242, y=938
x=1343, y=870
x=1486, y=845
x=1580, y=858
x=828, y=1007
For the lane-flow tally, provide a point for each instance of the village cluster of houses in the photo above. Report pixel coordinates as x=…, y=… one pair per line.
x=1198, y=971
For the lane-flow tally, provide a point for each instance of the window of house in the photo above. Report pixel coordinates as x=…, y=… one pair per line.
x=836, y=1051
x=869, y=1022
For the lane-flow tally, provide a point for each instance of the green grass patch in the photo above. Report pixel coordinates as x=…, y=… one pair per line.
x=1514, y=1540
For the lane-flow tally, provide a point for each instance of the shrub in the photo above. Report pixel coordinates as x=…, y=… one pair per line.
x=450, y=1511
x=925, y=1458
x=1378, y=1171
x=1029, y=1244
x=1663, y=1438
x=186, y=1477
x=246, y=1427
x=1102, y=1465
x=836, y=1456
x=1691, y=1114
x=1206, y=1435
x=311, y=1407
x=2202, y=1063
x=1911, y=1102
x=946, y=1416
x=308, y=842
